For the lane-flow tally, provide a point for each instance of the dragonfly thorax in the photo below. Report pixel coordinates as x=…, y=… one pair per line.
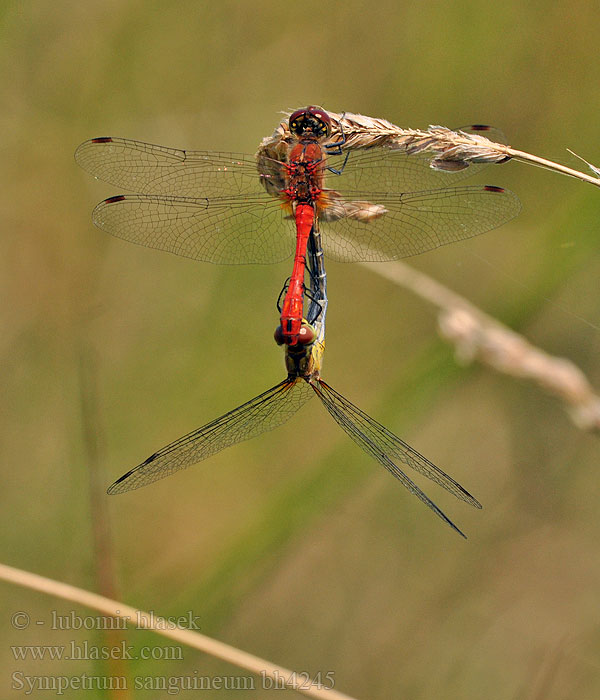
x=305, y=172
x=304, y=360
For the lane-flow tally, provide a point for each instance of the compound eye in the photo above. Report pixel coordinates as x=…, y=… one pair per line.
x=278, y=335
x=322, y=121
x=297, y=121
x=306, y=335
x=311, y=119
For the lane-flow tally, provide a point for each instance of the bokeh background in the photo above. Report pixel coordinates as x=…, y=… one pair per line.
x=295, y=546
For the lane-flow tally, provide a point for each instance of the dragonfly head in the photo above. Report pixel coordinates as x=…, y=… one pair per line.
x=310, y=121
x=306, y=336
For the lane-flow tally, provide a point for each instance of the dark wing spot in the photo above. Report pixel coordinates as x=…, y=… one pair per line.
x=102, y=139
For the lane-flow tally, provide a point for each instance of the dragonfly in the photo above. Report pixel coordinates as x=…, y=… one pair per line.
x=379, y=204
x=278, y=404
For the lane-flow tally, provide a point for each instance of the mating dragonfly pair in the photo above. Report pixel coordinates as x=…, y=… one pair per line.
x=229, y=208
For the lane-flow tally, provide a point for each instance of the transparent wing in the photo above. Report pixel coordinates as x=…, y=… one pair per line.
x=381, y=444
x=215, y=209
x=380, y=226
x=148, y=169
x=224, y=230
x=265, y=412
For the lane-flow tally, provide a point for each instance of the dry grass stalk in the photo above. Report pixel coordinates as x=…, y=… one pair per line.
x=478, y=336
x=105, y=574
x=450, y=150
x=109, y=607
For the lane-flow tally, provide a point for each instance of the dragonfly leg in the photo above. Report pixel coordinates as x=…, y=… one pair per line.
x=335, y=149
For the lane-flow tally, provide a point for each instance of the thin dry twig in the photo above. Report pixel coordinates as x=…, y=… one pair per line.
x=477, y=336
x=101, y=538
x=450, y=150
x=220, y=650
x=593, y=168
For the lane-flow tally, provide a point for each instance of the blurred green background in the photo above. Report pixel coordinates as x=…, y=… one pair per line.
x=295, y=546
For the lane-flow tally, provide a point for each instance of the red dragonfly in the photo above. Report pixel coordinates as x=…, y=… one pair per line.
x=385, y=203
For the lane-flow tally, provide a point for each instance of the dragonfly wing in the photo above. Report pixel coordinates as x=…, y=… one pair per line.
x=378, y=227
x=148, y=169
x=378, y=442
x=395, y=447
x=259, y=415
x=232, y=230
